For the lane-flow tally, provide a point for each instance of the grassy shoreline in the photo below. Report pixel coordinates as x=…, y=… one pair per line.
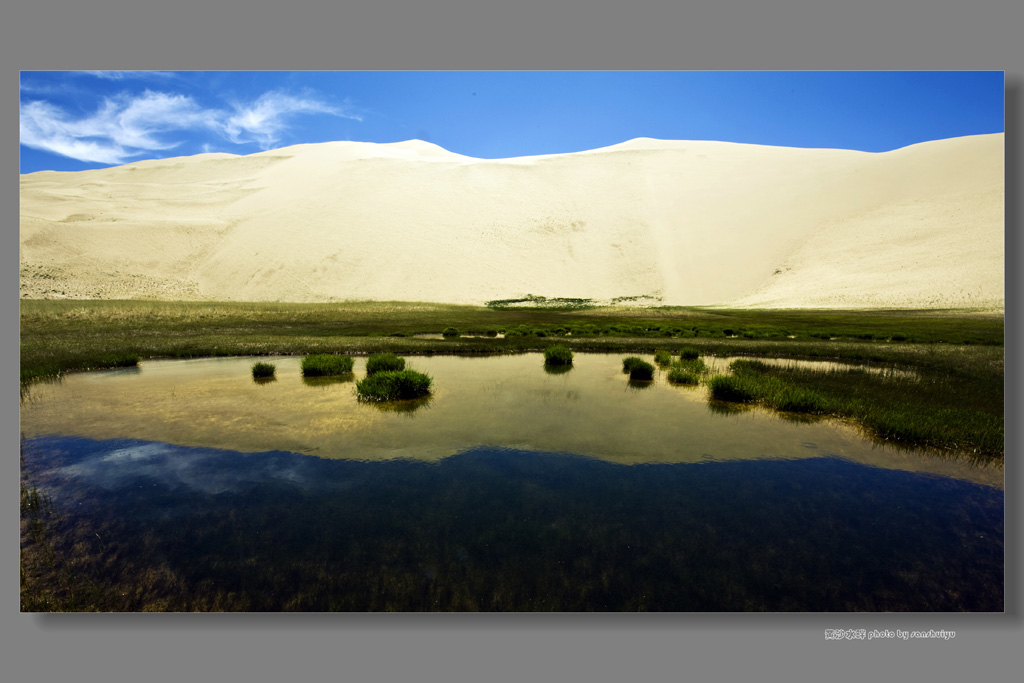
x=59, y=336
x=958, y=355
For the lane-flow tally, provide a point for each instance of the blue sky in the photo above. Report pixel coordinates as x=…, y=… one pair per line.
x=83, y=119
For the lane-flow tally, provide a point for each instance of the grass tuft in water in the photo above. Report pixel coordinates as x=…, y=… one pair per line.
x=261, y=370
x=558, y=355
x=662, y=357
x=689, y=353
x=680, y=375
x=384, y=362
x=393, y=385
x=628, y=363
x=942, y=409
x=450, y=332
x=731, y=388
x=638, y=368
x=326, y=365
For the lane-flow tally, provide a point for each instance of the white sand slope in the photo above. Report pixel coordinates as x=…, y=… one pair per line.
x=692, y=223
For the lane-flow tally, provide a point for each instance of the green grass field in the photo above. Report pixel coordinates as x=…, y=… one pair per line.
x=958, y=355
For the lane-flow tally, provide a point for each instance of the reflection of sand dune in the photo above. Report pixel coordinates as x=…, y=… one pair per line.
x=690, y=222
x=507, y=402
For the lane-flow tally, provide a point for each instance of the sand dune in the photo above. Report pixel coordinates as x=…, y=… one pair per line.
x=694, y=223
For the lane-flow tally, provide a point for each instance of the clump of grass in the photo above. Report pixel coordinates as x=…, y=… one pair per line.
x=687, y=371
x=689, y=353
x=261, y=370
x=628, y=363
x=325, y=365
x=384, y=362
x=695, y=365
x=393, y=385
x=662, y=357
x=638, y=368
x=731, y=388
x=449, y=332
x=950, y=408
x=680, y=375
x=558, y=355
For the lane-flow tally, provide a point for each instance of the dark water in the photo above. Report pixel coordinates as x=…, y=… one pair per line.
x=137, y=525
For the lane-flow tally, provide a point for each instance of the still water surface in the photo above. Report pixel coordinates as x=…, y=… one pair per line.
x=511, y=488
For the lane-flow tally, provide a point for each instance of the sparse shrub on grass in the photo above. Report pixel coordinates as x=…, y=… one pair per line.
x=384, y=362
x=662, y=357
x=449, y=332
x=689, y=353
x=325, y=365
x=638, y=368
x=261, y=370
x=393, y=385
x=558, y=355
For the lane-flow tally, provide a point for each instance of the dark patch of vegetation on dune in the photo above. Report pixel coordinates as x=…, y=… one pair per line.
x=542, y=302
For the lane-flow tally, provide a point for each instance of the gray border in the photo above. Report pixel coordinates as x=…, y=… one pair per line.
x=871, y=34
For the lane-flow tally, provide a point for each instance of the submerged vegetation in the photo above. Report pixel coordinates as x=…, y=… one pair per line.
x=500, y=530
x=393, y=385
x=326, y=365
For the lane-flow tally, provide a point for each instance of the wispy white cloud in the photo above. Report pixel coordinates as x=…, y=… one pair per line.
x=263, y=120
x=127, y=126
x=122, y=75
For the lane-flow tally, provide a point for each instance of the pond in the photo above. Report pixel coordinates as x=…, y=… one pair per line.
x=186, y=485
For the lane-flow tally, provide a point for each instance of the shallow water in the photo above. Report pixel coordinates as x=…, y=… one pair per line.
x=506, y=401
x=511, y=488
